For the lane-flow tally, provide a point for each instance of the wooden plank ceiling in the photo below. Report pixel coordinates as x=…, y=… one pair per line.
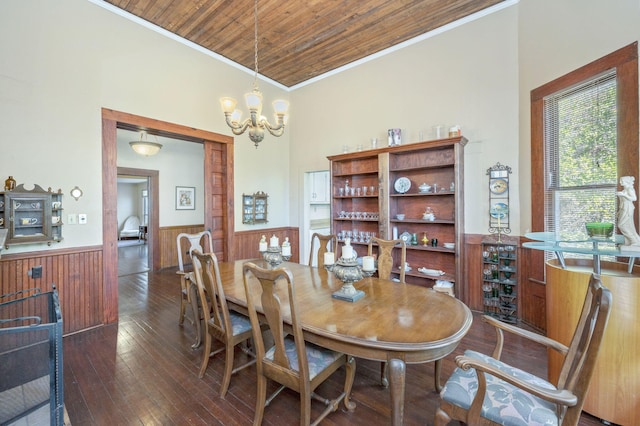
x=299, y=40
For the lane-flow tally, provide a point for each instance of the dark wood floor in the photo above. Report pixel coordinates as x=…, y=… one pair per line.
x=142, y=371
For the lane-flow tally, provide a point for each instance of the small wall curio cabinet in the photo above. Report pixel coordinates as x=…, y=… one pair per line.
x=499, y=280
x=31, y=216
x=412, y=192
x=254, y=208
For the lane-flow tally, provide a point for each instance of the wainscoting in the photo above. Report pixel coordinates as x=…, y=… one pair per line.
x=76, y=273
x=246, y=242
x=167, y=243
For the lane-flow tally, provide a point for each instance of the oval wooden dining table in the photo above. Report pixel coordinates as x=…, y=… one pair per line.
x=393, y=322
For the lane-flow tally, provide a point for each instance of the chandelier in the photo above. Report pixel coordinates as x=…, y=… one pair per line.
x=256, y=123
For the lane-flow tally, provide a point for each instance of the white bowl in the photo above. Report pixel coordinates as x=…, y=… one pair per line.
x=400, y=216
x=449, y=245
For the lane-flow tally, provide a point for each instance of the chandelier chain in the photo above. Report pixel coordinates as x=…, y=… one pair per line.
x=255, y=44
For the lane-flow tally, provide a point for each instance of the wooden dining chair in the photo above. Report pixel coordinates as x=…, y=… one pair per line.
x=385, y=256
x=292, y=362
x=226, y=326
x=484, y=390
x=385, y=266
x=323, y=247
x=185, y=243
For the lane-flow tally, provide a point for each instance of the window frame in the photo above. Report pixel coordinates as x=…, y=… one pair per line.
x=625, y=61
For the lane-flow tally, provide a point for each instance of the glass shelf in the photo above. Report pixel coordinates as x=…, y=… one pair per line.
x=559, y=244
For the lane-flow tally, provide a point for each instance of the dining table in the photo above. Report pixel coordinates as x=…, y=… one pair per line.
x=394, y=322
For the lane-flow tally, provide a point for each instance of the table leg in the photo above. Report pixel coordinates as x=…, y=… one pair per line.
x=397, y=370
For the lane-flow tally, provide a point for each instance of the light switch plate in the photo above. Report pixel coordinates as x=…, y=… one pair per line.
x=72, y=219
x=82, y=218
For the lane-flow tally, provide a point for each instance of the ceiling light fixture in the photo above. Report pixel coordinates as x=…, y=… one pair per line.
x=145, y=147
x=257, y=122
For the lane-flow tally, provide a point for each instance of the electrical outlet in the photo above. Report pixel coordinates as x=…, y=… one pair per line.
x=72, y=219
x=35, y=272
x=82, y=219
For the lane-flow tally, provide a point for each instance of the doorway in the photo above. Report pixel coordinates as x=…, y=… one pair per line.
x=218, y=189
x=135, y=199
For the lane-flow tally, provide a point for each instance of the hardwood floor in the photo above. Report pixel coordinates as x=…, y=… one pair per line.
x=143, y=371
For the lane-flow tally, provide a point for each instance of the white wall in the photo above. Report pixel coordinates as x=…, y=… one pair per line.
x=179, y=163
x=129, y=202
x=466, y=76
x=64, y=61
x=557, y=37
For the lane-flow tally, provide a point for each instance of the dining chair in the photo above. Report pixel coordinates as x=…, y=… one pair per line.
x=385, y=256
x=226, y=326
x=185, y=243
x=385, y=266
x=484, y=390
x=291, y=362
x=325, y=243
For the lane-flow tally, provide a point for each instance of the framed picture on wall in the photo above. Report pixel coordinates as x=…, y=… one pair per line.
x=185, y=198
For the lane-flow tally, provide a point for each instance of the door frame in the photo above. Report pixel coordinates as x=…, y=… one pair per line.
x=218, y=154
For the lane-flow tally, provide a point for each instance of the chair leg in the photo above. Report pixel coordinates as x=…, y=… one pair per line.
x=183, y=306
x=206, y=353
x=437, y=367
x=350, y=376
x=305, y=407
x=197, y=321
x=384, y=374
x=228, y=370
x=441, y=418
x=261, y=398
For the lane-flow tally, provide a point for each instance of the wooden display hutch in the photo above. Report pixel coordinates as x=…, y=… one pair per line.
x=31, y=216
x=360, y=213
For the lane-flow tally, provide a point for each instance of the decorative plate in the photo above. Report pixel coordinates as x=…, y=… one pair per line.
x=499, y=210
x=402, y=185
x=498, y=186
x=405, y=236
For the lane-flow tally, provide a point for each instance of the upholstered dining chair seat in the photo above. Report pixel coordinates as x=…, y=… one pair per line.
x=239, y=323
x=503, y=403
x=318, y=358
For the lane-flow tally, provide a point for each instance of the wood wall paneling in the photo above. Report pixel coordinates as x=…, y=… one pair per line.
x=77, y=275
x=247, y=242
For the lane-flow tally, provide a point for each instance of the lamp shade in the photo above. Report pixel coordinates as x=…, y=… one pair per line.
x=228, y=105
x=280, y=106
x=145, y=148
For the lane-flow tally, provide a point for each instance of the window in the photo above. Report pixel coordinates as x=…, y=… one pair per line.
x=581, y=167
x=584, y=136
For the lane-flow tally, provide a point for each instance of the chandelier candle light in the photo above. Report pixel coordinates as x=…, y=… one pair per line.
x=347, y=270
x=256, y=123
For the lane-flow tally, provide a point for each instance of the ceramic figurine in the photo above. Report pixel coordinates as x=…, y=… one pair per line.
x=626, y=208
